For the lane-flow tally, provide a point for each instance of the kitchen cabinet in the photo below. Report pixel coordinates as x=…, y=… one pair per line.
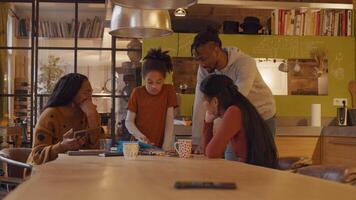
x=300, y=146
x=339, y=146
x=300, y=141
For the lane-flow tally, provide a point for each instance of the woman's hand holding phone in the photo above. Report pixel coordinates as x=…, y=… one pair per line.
x=70, y=142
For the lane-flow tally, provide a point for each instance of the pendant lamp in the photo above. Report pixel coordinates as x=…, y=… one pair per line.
x=137, y=23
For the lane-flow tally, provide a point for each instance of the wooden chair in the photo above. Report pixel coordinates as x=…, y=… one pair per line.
x=13, y=165
x=338, y=173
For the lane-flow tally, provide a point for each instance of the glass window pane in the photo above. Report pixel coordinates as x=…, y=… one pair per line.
x=128, y=77
x=91, y=23
x=128, y=73
x=5, y=111
x=16, y=24
x=41, y=102
x=104, y=109
x=96, y=65
x=56, y=31
x=15, y=73
x=103, y=104
x=15, y=110
x=128, y=43
x=53, y=64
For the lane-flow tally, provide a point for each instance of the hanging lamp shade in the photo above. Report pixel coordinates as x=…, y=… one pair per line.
x=136, y=23
x=155, y=4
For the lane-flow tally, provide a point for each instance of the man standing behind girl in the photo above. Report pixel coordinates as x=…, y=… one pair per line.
x=150, y=112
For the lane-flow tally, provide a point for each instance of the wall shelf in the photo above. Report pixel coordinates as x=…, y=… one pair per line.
x=275, y=4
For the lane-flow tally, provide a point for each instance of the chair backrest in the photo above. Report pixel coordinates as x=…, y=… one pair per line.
x=16, y=154
x=338, y=173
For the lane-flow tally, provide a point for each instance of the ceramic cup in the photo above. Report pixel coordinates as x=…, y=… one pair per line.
x=183, y=148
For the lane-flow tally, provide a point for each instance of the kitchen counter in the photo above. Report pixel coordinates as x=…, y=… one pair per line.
x=345, y=131
x=181, y=130
x=298, y=131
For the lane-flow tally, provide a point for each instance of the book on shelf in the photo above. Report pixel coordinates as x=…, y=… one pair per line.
x=89, y=28
x=23, y=27
x=314, y=22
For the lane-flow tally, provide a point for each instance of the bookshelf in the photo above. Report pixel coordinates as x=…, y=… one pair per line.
x=280, y=17
x=313, y=22
x=89, y=28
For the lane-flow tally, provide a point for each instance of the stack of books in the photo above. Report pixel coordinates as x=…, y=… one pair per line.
x=312, y=22
x=90, y=28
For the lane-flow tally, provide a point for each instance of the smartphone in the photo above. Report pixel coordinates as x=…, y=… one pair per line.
x=205, y=185
x=80, y=134
x=110, y=154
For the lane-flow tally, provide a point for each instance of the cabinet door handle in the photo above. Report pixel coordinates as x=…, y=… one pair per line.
x=341, y=142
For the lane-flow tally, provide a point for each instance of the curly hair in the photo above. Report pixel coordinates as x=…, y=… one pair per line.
x=157, y=60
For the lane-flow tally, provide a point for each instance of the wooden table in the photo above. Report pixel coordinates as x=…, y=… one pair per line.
x=152, y=178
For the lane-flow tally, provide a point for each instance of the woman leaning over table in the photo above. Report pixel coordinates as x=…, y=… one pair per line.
x=69, y=108
x=251, y=139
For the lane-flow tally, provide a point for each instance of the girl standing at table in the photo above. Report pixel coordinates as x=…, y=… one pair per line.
x=150, y=112
x=251, y=139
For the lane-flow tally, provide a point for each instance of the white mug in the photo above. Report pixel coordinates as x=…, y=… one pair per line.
x=183, y=148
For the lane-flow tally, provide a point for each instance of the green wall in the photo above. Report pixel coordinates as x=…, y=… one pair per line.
x=340, y=53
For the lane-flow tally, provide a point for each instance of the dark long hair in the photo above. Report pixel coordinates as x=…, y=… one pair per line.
x=65, y=90
x=157, y=60
x=262, y=150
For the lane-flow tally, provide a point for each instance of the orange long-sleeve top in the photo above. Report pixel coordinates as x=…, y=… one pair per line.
x=230, y=130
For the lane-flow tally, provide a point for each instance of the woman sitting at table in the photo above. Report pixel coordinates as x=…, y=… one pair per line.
x=69, y=108
x=251, y=139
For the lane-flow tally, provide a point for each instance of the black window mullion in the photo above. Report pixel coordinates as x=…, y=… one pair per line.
x=113, y=85
x=33, y=35
x=35, y=71
x=76, y=39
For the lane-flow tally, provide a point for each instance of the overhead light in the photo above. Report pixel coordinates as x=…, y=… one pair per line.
x=180, y=12
x=155, y=4
x=137, y=23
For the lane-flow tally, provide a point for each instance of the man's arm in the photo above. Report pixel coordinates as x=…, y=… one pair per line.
x=246, y=74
